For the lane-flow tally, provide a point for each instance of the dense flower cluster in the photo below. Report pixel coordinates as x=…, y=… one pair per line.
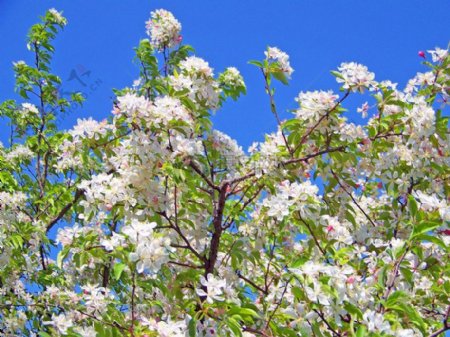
x=280, y=58
x=314, y=105
x=355, y=77
x=163, y=29
x=153, y=223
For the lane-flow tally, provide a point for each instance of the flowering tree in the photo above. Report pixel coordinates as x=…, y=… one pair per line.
x=166, y=227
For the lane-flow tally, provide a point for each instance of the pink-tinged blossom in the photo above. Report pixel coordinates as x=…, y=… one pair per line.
x=138, y=231
x=164, y=29
x=363, y=110
x=438, y=54
x=375, y=322
x=315, y=104
x=89, y=128
x=61, y=322
x=273, y=54
x=292, y=196
x=355, y=77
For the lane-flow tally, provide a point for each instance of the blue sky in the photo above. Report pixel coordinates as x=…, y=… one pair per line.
x=98, y=45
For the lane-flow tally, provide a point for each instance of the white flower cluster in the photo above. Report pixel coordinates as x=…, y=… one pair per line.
x=292, y=196
x=340, y=231
x=9, y=211
x=61, y=322
x=438, y=54
x=196, y=65
x=167, y=328
x=355, y=77
x=133, y=106
x=314, y=104
x=96, y=298
x=273, y=54
x=214, y=288
x=151, y=251
x=57, y=17
x=85, y=129
x=28, y=108
x=232, y=77
x=102, y=192
x=230, y=151
x=67, y=235
x=433, y=202
x=89, y=128
x=422, y=118
x=350, y=132
x=196, y=78
x=161, y=112
x=268, y=153
x=163, y=29
x=167, y=109
x=18, y=153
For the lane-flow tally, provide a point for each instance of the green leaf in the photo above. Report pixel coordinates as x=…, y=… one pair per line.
x=336, y=74
x=382, y=276
x=192, y=327
x=280, y=76
x=395, y=298
x=234, y=326
x=412, y=205
x=425, y=227
x=44, y=334
x=316, y=330
x=243, y=312
x=118, y=269
x=361, y=332
x=61, y=256
x=256, y=63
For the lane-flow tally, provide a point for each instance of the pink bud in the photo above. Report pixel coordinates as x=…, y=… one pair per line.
x=421, y=53
x=330, y=228
x=444, y=232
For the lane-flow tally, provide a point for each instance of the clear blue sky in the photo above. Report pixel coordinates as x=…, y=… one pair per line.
x=384, y=34
x=98, y=44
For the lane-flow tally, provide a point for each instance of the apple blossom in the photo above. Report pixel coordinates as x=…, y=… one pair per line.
x=154, y=223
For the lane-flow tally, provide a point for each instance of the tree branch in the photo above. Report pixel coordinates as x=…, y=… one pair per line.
x=65, y=209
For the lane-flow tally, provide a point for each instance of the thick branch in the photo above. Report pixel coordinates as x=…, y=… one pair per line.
x=217, y=224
